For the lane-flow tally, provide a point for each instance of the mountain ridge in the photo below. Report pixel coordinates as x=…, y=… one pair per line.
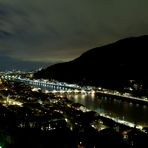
x=116, y=61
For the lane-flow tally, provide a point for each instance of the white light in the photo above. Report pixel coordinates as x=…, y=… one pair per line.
x=66, y=119
x=61, y=91
x=76, y=91
x=54, y=91
x=99, y=88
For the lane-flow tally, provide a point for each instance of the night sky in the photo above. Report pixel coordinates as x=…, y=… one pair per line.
x=60, y=30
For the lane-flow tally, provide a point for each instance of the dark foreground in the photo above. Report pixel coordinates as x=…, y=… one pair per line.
x=30, y=118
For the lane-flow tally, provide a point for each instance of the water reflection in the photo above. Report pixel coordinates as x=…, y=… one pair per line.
x=131, y=112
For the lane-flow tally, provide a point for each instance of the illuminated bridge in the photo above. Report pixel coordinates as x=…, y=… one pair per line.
x=53, y=85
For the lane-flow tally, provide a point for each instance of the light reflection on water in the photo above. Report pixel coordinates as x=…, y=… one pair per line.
x=131, y=112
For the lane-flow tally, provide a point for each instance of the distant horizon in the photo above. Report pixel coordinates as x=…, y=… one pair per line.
x=46, y=31
x=10, y=63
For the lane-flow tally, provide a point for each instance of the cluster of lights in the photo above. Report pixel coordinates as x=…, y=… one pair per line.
x=13, y=102
x=123, y=122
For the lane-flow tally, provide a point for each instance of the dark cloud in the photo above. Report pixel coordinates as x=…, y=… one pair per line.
x=4, y=34
x=55, y=30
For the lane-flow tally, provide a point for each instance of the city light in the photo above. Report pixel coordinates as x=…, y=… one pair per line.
x=52, y=99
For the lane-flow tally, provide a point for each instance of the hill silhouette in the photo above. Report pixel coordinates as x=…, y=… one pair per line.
x=110, y=65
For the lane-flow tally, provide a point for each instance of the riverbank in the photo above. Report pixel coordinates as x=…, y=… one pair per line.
x=122, y=97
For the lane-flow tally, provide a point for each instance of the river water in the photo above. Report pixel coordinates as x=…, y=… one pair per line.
x=131, y=112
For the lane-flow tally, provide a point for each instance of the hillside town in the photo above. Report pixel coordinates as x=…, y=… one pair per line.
x=40, y=119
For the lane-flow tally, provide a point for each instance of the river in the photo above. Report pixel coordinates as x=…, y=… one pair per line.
x=131, y=112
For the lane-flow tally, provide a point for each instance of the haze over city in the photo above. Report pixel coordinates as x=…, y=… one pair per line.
x=56, y=31
x=73, y=73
